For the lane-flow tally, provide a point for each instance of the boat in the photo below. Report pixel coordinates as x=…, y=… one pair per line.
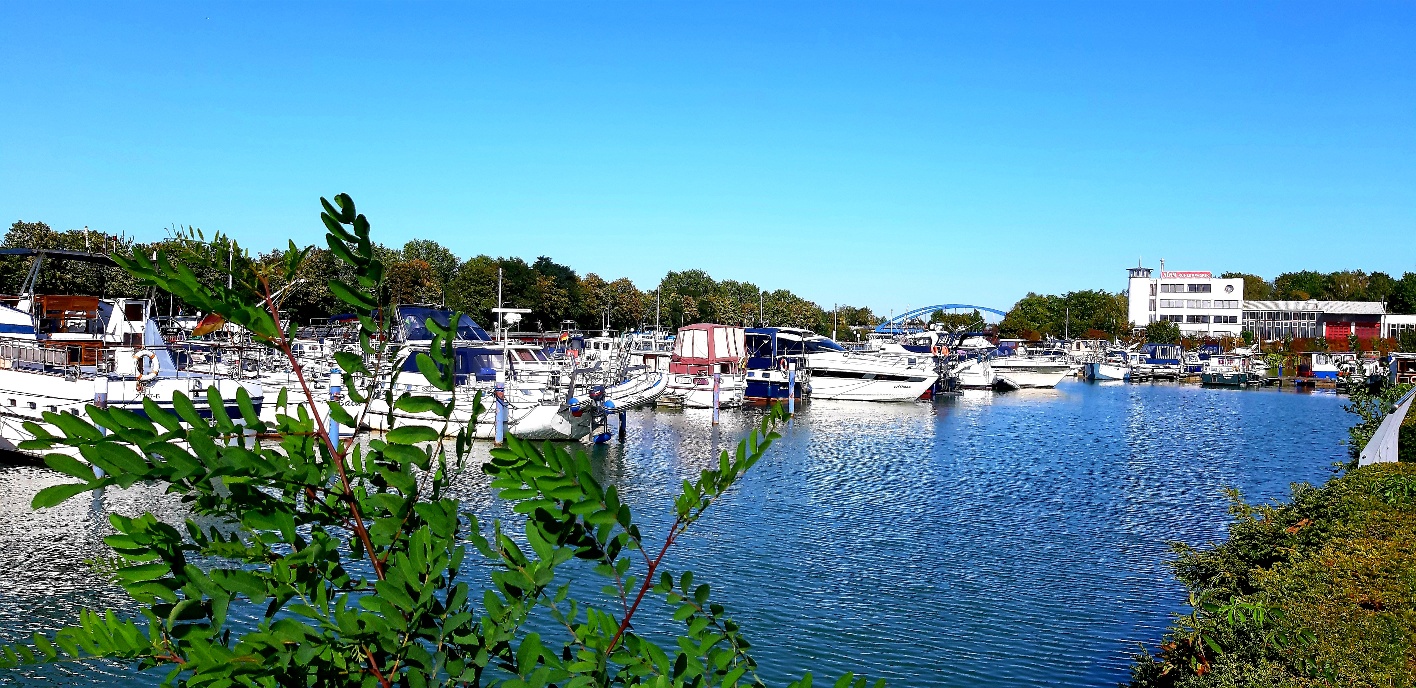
x=706, y=357
x=62, y=352
x=535, y=410
x=1226, y=370
x=881, y=376
x=1115, y=366
x=1030, y=371
x=1157, y=362
x=776, y=364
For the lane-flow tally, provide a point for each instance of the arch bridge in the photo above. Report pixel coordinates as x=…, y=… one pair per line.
x=893, y=325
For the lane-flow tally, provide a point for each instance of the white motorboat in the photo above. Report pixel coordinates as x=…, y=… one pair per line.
x=857, y=376
x=1023, y=371
x=1116, y=366
x=535, y=410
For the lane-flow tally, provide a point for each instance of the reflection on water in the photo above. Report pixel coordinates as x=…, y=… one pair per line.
x=989, y=540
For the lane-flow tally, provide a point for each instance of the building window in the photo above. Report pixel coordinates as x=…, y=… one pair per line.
x=1172, y=288
x=1226, y=319
x=1172, y=303
x=1226, y=304
x=1152, y=288
x=1197, y=319
x=1197, y=303
x=1173, y=318
x=1152, y=304
x=1199, y=288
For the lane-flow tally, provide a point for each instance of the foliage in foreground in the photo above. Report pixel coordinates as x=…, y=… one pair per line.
x=360, y=569
x=1319, y=591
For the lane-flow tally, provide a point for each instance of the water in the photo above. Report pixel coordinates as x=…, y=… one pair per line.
x=992, y=540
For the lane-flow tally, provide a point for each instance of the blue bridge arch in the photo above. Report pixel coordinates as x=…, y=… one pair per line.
x=893, y=324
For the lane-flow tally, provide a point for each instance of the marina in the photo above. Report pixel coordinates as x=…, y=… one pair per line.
x=1007, y=539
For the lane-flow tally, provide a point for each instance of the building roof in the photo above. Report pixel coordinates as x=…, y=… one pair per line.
x=1335, y=307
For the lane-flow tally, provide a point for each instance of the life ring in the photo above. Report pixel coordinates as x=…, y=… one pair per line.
x=782, y=363
x=146, y=371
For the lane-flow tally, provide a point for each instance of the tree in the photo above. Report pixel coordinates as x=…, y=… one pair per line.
x=1345, y=285
x=360, y=568
x=1163, y=332
x=1255, y=287
x=413, y=281
x=1403, y=295
x=1299, y=286
x=72, y=276
x=440, y=259
x=1379, y=287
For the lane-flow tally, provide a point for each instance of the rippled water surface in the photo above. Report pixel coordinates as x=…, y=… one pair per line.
x=992, y=540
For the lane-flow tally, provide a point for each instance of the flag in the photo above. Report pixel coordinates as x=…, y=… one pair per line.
x=211, y=323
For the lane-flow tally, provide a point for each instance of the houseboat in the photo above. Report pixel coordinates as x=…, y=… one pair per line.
x=706, y=357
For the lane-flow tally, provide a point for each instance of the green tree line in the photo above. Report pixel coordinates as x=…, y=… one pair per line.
x=424, y=271
x=1342, y=285
x=1090, y=313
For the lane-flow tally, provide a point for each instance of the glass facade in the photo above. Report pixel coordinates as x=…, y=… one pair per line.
x=1275, y=325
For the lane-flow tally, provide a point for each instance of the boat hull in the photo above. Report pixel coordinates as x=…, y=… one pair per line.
x=696, y=391
x=1030, y=376
x=1103, y=372
x=1224, y=379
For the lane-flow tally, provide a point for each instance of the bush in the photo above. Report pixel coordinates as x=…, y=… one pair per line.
x=1319, y=591
x=367, y=573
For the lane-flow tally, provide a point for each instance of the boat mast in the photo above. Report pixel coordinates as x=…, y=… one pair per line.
x=656, y=310
x=501, y=331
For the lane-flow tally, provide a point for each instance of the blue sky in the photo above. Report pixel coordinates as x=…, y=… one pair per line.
x=881, y=154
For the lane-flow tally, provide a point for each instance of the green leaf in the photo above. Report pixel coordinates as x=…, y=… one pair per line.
x=411, y=434
x=56, y=494
x=418, y=404
x=350, y=362
x=430, y=370
x=341, y=415
x=69, y=466
x=351, y=296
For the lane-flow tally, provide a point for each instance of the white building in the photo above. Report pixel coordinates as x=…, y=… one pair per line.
x=1200, y=303
x=1393, y=325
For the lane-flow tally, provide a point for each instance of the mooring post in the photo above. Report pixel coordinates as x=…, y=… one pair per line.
x=334, y=392
x=791, y=387
x=717, y=385
x=100, y=399
x=499, y=398
x=621, y=433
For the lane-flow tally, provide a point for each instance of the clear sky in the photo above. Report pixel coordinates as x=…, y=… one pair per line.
x=875, y=153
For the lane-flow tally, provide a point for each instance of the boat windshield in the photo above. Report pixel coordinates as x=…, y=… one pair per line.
x=816, y=345
x=414, y=319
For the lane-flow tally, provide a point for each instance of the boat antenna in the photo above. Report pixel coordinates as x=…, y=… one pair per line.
x=230, y=261
x=761, y=319
x=501, y=331
x=656, y=310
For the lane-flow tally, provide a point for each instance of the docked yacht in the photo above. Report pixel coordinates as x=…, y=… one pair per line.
x=534, y=410
x=60, y=353
x=776, y=364
x=1115, y=366
x=860, y=376
x=706, y=354
x=1028, y=371
x=1158, y=361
